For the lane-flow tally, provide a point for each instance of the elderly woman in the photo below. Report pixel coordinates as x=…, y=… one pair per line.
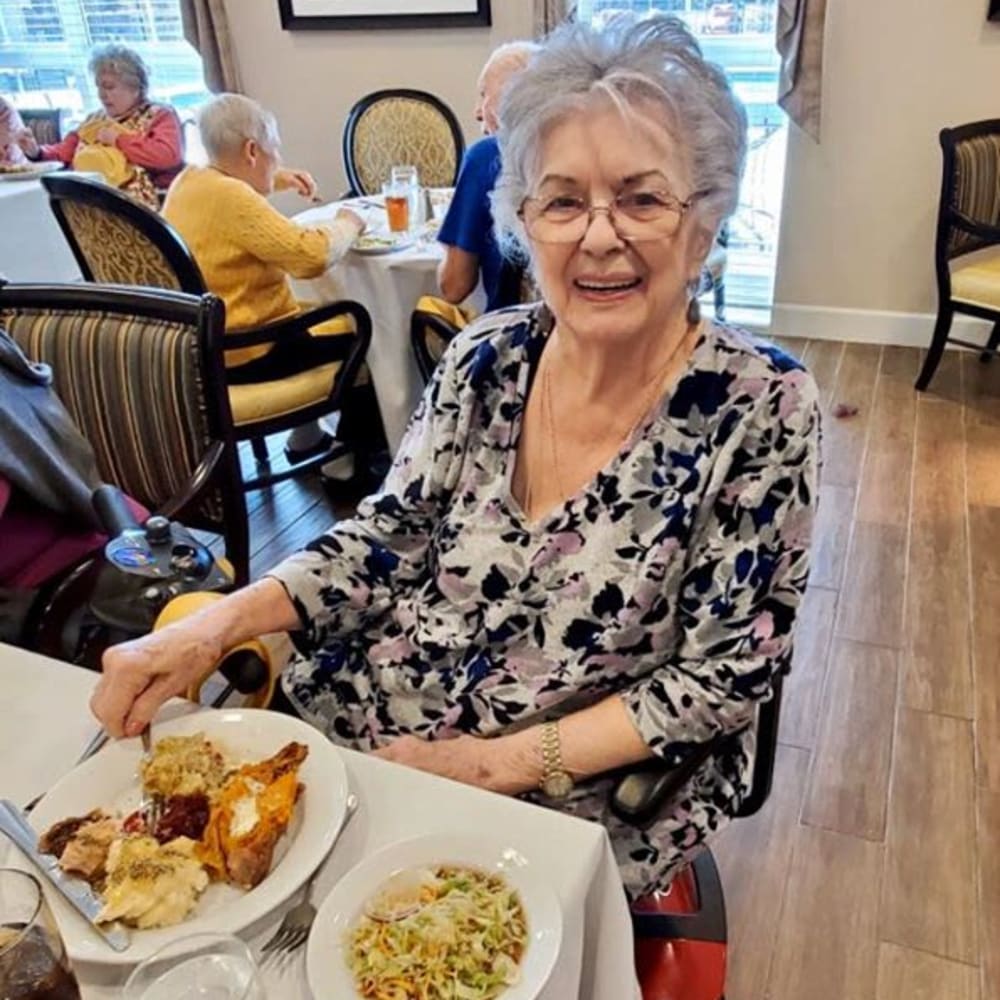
x=247, y=250
x=11, y=127
x=593, y=543
x=136, y=145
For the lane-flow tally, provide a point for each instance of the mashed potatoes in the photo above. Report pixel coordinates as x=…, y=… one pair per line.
x=151, y=884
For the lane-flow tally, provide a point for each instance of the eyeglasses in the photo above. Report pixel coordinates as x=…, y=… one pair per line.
x=637, y=216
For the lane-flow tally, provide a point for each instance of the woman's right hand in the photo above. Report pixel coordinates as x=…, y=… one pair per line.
x=139, y=676
x=27, y=141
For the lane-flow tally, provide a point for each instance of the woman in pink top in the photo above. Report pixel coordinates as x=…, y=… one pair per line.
x=11, y=126
x=135, y=144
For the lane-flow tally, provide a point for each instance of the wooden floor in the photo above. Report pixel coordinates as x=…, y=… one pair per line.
x=873, y=873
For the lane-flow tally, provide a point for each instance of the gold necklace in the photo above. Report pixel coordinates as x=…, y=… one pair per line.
x=650, y=390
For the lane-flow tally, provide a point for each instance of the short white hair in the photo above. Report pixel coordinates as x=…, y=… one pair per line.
x=510, y=57
x=226, y=122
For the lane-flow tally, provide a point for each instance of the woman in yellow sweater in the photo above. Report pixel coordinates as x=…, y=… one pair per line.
x=247, y=249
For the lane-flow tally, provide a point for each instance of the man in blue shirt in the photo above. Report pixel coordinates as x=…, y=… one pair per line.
x=467, y=230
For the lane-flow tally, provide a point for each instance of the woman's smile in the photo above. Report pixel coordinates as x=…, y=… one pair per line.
x=611, y=288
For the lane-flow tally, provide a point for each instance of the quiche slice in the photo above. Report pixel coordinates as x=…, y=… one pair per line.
x=249, y=816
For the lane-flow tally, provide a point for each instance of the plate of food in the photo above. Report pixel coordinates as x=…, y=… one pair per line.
x=249, y=804
x=437, y=917
x=373, y=244
x=27, y=171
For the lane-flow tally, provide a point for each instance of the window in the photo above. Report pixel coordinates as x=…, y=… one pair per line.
x=45, y=47
x=739, y=36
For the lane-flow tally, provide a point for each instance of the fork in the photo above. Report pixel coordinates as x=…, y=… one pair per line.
x=151, y=805
x=298, y=921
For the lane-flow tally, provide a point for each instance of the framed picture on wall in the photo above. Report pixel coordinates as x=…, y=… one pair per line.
x=368, y=14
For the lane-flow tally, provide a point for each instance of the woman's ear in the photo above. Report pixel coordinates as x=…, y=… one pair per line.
x=701, y=243
x=251, y=151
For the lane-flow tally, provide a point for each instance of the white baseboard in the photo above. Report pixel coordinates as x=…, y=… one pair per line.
x=868, y=326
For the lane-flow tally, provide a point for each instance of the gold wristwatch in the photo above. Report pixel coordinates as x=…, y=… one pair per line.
x=556, y=781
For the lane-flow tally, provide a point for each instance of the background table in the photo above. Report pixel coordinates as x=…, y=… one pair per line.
x=32, y=246
x=46, y=724
x=388, y=286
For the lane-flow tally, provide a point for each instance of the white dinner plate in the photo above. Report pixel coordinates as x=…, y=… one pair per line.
x=326, y=956
x=34, y=170
x=110, y=780
x=372, y=246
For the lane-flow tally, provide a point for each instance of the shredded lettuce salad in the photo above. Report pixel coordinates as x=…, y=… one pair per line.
x=464, y=942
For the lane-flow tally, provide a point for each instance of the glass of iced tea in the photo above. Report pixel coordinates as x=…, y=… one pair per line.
x=397, y=206
x=33, y=961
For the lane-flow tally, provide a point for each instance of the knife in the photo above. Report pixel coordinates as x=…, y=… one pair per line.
x=75, y=891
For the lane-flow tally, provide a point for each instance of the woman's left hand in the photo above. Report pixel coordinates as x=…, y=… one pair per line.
x=108, y=136
x=299, y=181
x=489, y=764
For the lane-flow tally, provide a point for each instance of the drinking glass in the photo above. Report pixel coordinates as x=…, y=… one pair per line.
x=198, y=967
x=440, y=199
x=33, y=961
x=397, y=206
x=407, y=176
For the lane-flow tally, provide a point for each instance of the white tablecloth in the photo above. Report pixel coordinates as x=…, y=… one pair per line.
x=46, y=724
x=388, y=286
x=32, y=246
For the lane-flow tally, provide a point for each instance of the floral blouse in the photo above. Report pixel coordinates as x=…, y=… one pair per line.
x=672, y=580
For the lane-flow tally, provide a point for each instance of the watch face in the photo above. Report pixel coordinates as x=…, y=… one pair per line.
x=557, y=785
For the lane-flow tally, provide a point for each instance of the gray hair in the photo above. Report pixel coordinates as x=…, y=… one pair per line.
x=629, y=62
x=123, y=62
x=226, y=122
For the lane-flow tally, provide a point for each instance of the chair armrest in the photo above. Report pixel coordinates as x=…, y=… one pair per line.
x=299, y=323
x=643, y=791
x=982, y=229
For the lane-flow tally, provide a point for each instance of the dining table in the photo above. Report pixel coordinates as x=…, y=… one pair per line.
x=46, y=724
x=388, y=285
x=32, y=246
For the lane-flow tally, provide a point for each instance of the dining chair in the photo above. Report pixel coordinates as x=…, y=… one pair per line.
x=967, y=243
x=393, y=127
x=117, y=241
x=45, y=124
x=141, y=373
x=434, y=323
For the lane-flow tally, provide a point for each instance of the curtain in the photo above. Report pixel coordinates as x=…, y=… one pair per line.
x=207, y=29
x=550, y=14
x=800, y=45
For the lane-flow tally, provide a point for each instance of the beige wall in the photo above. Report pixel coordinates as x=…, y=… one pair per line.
x=858, y=216
x=310, y=79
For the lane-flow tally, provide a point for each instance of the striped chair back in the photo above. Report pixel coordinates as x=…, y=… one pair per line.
x=137, y=373
x=971, y=184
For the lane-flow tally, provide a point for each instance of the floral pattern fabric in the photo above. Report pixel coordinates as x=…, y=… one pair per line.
x=672, y=580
